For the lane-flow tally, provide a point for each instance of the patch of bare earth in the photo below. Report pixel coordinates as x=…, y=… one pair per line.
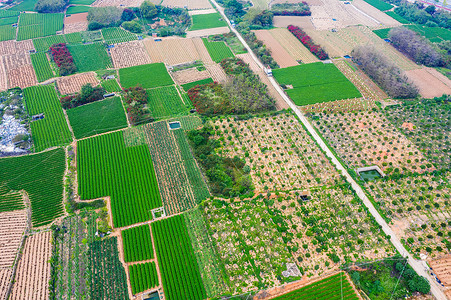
x=278, y=52
x=189, y=75
x=76, y=23
x=442, y=268
x=172, y=51
x=189, y=4
x=375, y=13
x=428, y=82
x=285, y=21
x=293, y=46
x=129, y=54
x=207, y=32
x=72, y=84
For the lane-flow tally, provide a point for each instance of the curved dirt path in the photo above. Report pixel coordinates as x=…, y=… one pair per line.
x=417, y=265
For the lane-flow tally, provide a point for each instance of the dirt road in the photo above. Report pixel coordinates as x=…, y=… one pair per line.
x=416, y=264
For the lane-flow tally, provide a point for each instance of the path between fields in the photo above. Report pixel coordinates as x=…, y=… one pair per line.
x=416, y=264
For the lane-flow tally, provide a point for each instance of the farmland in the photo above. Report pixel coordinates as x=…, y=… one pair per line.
x=129, y=54
x=379, y=4
x=13, y=226
x=115, y=35
x=111, y=86
x=90, y=57
x=7, y=32
x=77, y=9
x=316, y=82
x=37, y=25
x=166, y=102
x=73, y=84
x=46, y=194
x=41, y=66
x=217, y=50
x=137, y=244
x=143, y=277
x=180, y=272
x=148, y=76
x=117, y=171
x=52, y=130
x=206, y=21
x=187, y=86
x=97, y=117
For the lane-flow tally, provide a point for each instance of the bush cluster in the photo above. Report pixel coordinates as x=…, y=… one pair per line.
x=386, y=74
x=50, y=6
x=63, y=59
x=136, y=99
x=418, y=13
x=87, y=94
x=291, y=9
x=308, y=42
x=415, y=46
x=99, y=17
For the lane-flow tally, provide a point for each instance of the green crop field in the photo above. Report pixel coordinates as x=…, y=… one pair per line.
x=217, y=50
x=106, y=167
x=81, y=2
x=41, y=66
x=26, y=5
x=336, y=287
x=8, y=21
x=10, y=200
x=73, y=38
x=90, y=57
x=316, y=82
x=148, y=76
x=36, y=25
x=71, y=10
x=397, y=17
x=52, y=130
x=113, y=35
x=111, y=86
x=41, y=176
x=143, y=277
x=108, y=279
x=179, y=269
x=97, y=117
x=187, y=86
x=379, y=4
x=43, y=44
x=7, y=32
x=8, y=13
x=137, y=244
x=165, y=102
x=207, y=21
x=91, y=36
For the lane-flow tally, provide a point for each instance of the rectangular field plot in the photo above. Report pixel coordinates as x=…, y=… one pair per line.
x=90, y=57
x=7, y=32
x=336, y=287
x=148, y=76
x=52, y=130
x=97, y=117
x=36, y=25
x=10, y=200
x=41, y=176
x=166, y=102
x=111, y=86
x=43, y=44
x=137, y=244
x=316, y=82
x=107, y=167
x=177, y=262
x=217, y=50
x=26, y=5
x=397, y=17
x=115, y=35
x=207, y=21
x=379, y=4
x=41, y=66
x=77, y=9
x=143, y=277
x=179, y=177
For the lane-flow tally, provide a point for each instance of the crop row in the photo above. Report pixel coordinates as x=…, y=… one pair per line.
x=37, y=25
x=180, y=271
x=113, y=35
x=41, y=66
x=9, y=200
x=143, y=277
x=217, y=50
x=106, y=167
x=165, y=102
x=137, y=244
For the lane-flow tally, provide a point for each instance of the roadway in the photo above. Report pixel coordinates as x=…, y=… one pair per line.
x=416, y=264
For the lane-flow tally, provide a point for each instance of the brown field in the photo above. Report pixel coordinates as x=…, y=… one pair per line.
x=375, y=13
x=430, y=84
x=293, y=46
x=278, y=53
x=12, y=227
x=284, y=21
x=5, y=281
x=13, y=47
x=76, y=23
x=280, y=103
x=33, y=271
x=309, y=2
x=442, y=268
x=345, y=105
x=172, y=51
x=129, y=54
x=72, y=84
x=14, y=61
x=207, y=32
x=3, y=77
x=189, y=75
x=23, y=76
x=217, y=73
x=118, y=3
x=202, y=50
x=190, y=4
x=202, y=12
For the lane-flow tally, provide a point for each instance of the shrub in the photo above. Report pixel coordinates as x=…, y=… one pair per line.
x=50, y=6
x=87, y=94
x=136, y=99
x=308, y=42
x=63, y=59
x=127, y=15
x=132, y=26
x=99, y=17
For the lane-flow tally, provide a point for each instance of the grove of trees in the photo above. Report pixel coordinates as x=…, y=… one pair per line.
x=50, y=6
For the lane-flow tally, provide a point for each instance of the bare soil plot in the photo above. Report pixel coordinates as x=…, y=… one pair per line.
x=33, y=271
x=207, y=32
x=23, y=76
x=129, y=54
x=72, y=84
x=375, y=13
x=189, y=4
x=202, y=50
x=3, y=76
x=280, y=103
x=5, y=280
x=13, y=47
x=76, y=23
x=118, y=3
x=14, y=61
x=309, y=2
x=430, y=86
x=12, y=227
x=285, y=21
x=172, y=51
x=217, y=73
x=189, y=75
x=280, y=55
x=293, y=46
x=202, y=12
x=345, y=105
x=442, y=268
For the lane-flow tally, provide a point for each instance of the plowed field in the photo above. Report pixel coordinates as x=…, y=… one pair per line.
x=129, y=54
x=280, y=55
x=72, y=84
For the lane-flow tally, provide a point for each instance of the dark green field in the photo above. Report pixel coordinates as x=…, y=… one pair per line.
x=148, y=76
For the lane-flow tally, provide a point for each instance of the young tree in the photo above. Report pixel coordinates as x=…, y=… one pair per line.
x=148, y=9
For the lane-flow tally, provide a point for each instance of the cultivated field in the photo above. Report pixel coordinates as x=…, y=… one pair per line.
x=278, y=52
x=172, y=51
x=76, y=23
x=12, y=227
x=381, y=17
x=41, y=66
x=148, y=76
x=207, y=32
x=118, y=3
x=5, y=280
x=190, y=4
x=189, y=75
x=23, y=77
x=90, y=57
x=293, y=46
x=33, y=271
x=285, y=21
x=442, y=268
x=129, y=54
x=72, y=84
x=430, y=82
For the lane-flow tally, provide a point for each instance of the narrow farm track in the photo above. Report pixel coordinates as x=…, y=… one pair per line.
x=416, y=264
